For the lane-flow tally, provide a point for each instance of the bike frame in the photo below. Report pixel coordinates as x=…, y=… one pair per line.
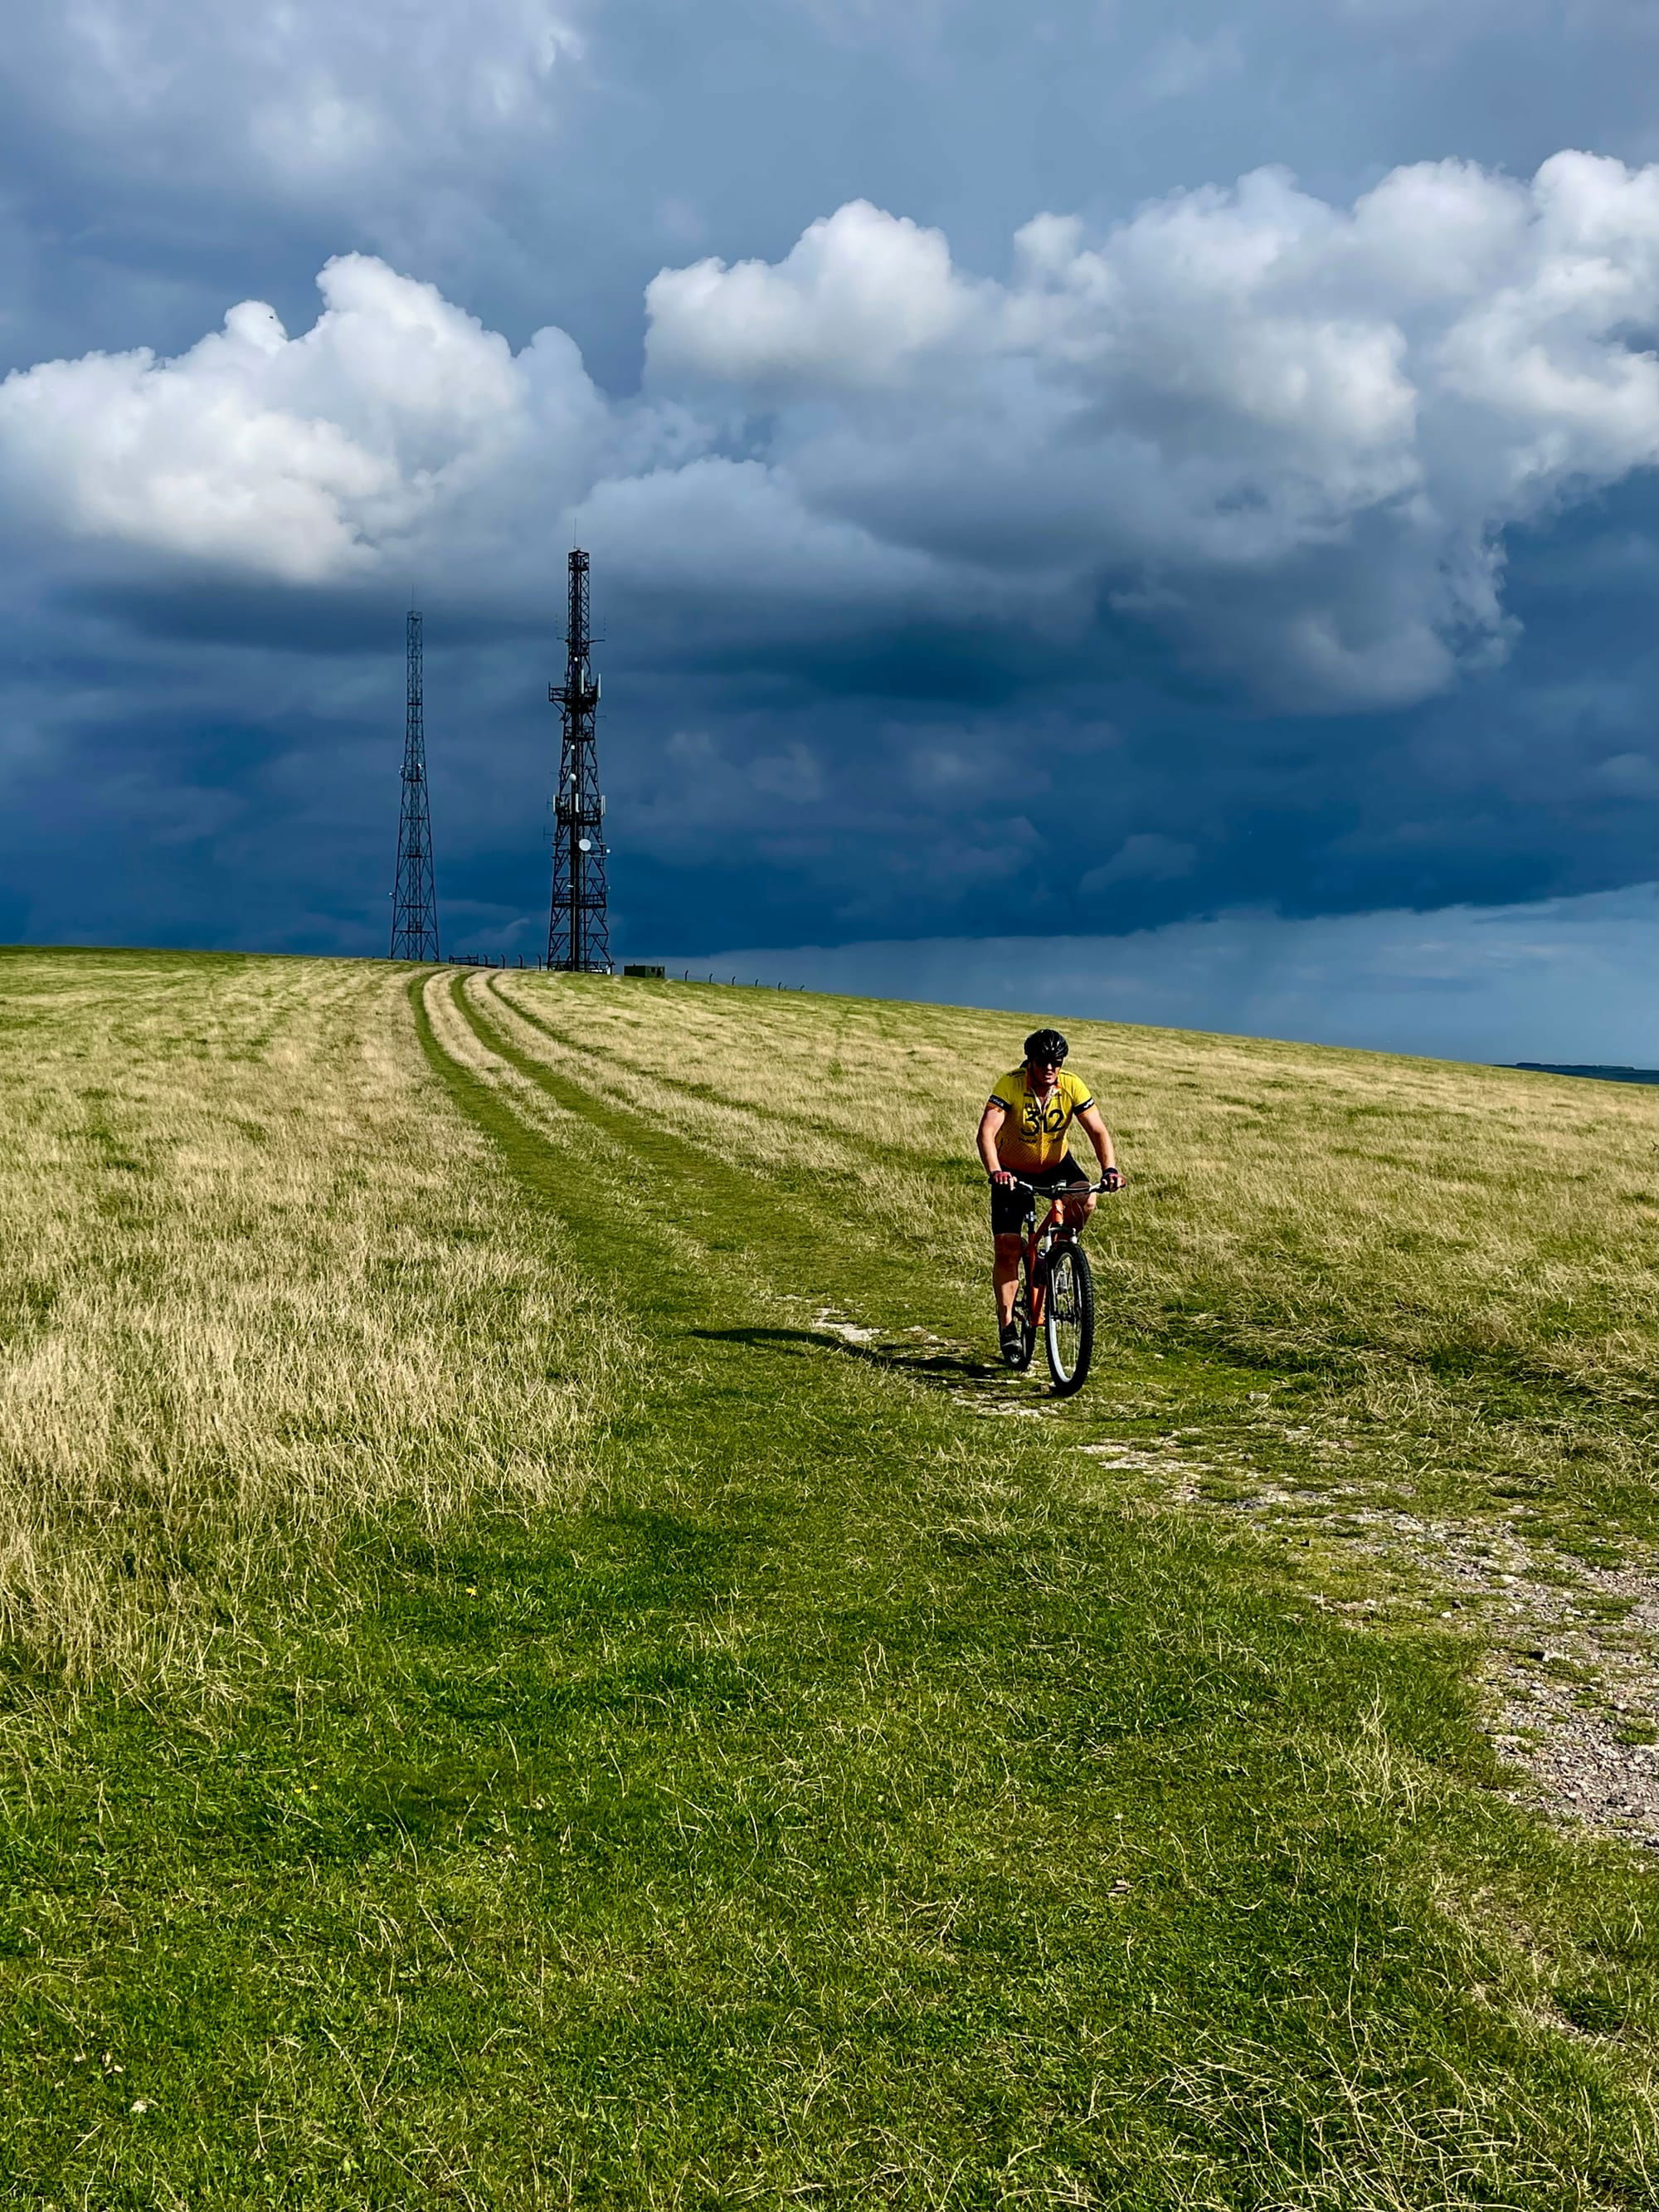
x=1041, y=1235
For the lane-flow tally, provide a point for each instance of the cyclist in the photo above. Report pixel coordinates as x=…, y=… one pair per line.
x=1022, y=1132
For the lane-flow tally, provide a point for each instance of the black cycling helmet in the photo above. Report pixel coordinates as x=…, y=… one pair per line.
x=1045, y=1044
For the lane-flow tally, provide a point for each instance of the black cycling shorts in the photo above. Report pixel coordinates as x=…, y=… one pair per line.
x=1012, y=1209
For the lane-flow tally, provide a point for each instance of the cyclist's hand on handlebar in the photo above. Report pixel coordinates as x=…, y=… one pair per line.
x=1111, y=1178
x=1004, y=1180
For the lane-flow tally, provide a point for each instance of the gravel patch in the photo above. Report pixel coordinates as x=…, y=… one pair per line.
x=1571, y=1673
x=1571, y=1678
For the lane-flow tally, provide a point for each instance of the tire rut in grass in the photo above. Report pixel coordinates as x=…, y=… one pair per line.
x=702, y=1094
x=1601, y=1782
x=890, y=1568
x=777, y=1257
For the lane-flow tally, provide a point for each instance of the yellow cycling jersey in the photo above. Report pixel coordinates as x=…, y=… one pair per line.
x=1033, y=1131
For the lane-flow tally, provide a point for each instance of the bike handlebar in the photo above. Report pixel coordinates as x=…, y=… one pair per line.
x=1067, y=1189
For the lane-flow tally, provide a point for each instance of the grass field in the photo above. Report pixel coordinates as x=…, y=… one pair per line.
x=543, y=1666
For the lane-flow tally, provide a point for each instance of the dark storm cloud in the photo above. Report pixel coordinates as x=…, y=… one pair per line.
x=949, y=587
x=900, y=818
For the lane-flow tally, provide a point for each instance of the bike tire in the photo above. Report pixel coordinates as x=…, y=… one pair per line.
x=1022, y=1316
x=1068, y=1319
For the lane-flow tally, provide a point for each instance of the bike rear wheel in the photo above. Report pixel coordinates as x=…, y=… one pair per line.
x=1068, y=1318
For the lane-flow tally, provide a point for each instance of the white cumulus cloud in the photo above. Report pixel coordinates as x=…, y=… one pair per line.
x=859, y=299
x=309, y=459
x=1287, y=435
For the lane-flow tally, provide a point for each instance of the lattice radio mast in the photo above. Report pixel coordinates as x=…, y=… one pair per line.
x=415, y=898
x=578, y=934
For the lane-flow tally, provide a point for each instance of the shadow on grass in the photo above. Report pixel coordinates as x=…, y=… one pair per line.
x=945, y=1367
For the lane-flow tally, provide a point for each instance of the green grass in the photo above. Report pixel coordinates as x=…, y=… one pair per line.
x=759, y=1766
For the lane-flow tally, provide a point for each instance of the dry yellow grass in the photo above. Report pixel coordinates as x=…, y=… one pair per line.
x=1406, y=1223
x=1396, y=1201
x=799, y=1776
x=259, y=1282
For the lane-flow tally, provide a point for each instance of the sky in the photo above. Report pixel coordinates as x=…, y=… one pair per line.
x=1466, y=983
x=1149, y=510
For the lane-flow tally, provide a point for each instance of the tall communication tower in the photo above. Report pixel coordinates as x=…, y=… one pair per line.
x=578, y=934
x=415, y=898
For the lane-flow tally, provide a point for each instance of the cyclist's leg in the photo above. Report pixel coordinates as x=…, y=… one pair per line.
x=1005, y=1276
x=1008, y=1212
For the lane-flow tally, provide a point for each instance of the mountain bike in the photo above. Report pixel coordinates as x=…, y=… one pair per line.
x=1057, y=1292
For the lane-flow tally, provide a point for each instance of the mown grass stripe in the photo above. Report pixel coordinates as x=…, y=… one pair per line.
x=823, y=1797
x=795, y=1249
x=1061, y=1563
x=705, y=1094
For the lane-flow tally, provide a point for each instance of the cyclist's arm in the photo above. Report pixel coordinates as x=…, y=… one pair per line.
x=990, y=1123
x=1088, y=1120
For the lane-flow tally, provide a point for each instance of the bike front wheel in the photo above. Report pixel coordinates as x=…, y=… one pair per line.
x=1068, y=1318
